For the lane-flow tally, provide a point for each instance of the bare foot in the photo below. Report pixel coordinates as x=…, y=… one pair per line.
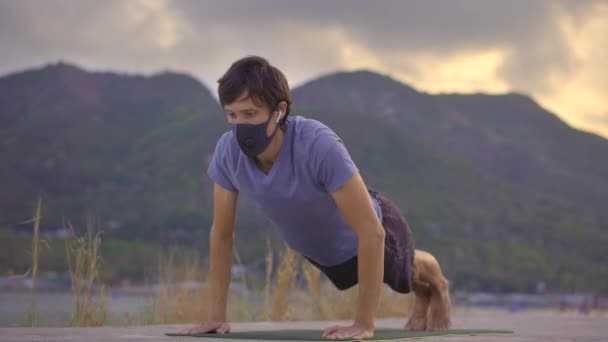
x=442, y=324
x=439, y=314
x=415, y=324
x=439, y=308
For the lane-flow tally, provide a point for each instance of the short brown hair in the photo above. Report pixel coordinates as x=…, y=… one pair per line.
x=266, y=84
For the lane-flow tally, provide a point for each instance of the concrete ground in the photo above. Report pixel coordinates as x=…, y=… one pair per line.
x=527, y=327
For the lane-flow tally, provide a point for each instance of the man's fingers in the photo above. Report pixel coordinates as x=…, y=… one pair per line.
x=330, y=330
x=338, y=332
x=340, y=335
x=186, y=331
x=335, y=333
x=335, y=336
x=207, y=329
x=200, y=330
x=344, y=333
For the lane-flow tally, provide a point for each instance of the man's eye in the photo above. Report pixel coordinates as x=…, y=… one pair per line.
x=250, y=114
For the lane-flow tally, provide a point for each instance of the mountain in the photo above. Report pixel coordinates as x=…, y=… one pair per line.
x=502, y=191
x=103, y=142
x=509, y=136
x=495, y=185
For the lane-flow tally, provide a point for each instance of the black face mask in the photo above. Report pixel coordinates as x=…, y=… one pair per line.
x=252, y=137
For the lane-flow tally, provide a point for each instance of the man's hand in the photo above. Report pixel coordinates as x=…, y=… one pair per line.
x=356, y=330
x=355, y=203
x=210, y=327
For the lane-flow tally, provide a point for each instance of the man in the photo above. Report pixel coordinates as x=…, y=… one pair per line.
x=301, y=176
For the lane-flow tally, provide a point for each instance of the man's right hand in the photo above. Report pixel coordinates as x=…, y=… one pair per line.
x=218, y=327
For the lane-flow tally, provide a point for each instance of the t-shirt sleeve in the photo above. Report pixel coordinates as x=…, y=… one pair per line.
x=218, y=167
x=331, y=161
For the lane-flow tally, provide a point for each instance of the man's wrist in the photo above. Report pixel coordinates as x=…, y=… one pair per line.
x=218, y=317
x=366, y=323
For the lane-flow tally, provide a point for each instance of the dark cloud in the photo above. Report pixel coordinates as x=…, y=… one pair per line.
x=527, y=30
x=425, y=25
x=301, y=37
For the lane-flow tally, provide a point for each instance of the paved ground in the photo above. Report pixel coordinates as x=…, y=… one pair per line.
x=528, y=327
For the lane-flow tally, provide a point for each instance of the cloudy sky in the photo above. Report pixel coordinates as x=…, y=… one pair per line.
x=551, y=50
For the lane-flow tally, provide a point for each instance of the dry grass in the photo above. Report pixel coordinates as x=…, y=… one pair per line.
x=321, y=309
x=83, y=262
x=182, y=295
x=32, y=319
x=243, y=299
x=281, y=299
x=285, y=282
x=265, y=313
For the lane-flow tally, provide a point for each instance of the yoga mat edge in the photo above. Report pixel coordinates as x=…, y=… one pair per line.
x=239, y=335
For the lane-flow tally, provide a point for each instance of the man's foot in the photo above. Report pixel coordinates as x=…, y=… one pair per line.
x=438, y=323
x=422, y=291
x=432, y=302
x=439, y=307
x=415, y=324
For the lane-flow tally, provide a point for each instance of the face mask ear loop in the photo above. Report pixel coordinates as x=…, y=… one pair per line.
x=279, y=117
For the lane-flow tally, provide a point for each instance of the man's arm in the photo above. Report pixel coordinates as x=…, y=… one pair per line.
x=221, y=243
x=355, y=204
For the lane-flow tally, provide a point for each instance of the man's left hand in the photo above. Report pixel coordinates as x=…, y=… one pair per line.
x=353, y=331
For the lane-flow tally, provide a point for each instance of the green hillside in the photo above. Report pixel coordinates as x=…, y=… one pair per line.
x=503, y=192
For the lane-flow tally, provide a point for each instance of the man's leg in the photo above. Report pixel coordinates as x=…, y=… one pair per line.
x=432, y=307
x=417, y=319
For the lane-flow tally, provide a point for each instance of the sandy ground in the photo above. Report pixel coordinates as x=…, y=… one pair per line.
x=527, y=326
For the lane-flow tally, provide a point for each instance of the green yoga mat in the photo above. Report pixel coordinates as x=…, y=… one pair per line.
x=315, y=335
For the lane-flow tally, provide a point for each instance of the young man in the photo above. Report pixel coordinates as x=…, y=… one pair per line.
x=302, y=178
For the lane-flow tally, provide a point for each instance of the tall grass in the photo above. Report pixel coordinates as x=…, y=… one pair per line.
x=321, y=309
x=32, y=319
x=83, y=262
x=83, y=272
x=244, y=311
x=282, y=297
x=285, y=282
x=265, y=312
x=183, y=293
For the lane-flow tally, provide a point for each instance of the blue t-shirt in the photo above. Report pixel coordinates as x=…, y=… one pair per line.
x=295, y=195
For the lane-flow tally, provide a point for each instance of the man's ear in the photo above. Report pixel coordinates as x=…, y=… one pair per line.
x=283, y=107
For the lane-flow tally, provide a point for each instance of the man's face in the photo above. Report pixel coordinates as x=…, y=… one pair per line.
x=245, y=110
